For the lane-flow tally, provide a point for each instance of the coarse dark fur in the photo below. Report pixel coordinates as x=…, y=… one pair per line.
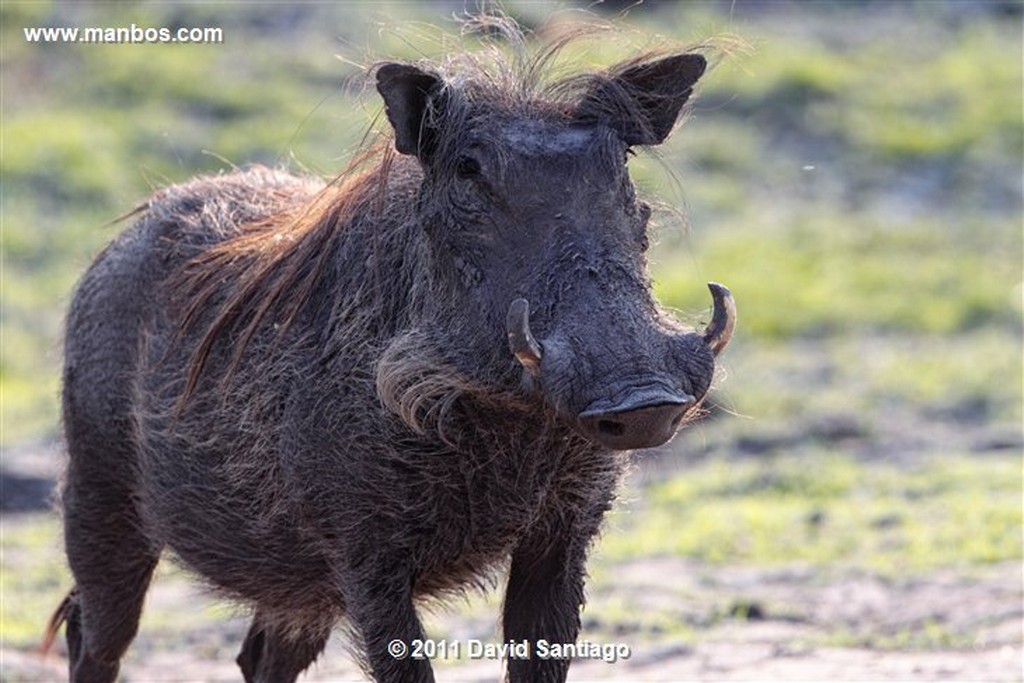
x=306, y=392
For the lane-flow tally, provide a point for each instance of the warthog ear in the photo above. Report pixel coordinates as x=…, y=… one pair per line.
x=407, y=91
x=642, y=100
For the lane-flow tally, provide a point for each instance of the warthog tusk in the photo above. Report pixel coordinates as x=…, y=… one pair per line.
x=723, y=319
x=525, y=348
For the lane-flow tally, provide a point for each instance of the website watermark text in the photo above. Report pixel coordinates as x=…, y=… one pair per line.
x=117, y=35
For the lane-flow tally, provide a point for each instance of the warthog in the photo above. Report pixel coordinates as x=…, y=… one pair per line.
x=334, y=401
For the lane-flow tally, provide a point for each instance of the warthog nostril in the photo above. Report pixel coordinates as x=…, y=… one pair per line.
x=611, y=427
x=638, y=426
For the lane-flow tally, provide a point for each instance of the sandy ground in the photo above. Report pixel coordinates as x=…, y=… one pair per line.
x=780, y=638
x=740, y=623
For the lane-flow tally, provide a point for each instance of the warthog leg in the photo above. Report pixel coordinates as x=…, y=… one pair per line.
x=269, y=656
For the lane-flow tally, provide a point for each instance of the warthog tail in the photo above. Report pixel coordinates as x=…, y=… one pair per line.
x=59, y=616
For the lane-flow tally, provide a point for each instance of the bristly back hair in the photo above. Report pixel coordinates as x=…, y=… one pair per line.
x=270, y=269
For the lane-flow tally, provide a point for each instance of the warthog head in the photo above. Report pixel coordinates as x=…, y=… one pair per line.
x=537, y=241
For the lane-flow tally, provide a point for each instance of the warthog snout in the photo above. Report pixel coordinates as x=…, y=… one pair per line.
x=643, y=419
x=644, y=411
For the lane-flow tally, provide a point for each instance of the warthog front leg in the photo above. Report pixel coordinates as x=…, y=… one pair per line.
x=543, y=600
x=271, y=655
x=379, y=606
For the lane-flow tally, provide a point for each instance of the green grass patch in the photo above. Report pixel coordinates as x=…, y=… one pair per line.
x=973, y=381
x=33, y=578
x=818, y=273
x=912, y=93
x=826, y=508
x=931, y=635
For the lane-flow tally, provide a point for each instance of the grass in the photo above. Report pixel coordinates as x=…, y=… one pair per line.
x=970, y=381
x=33, y=579
x=829, y=508
x=930, y=635
x=826, y=275
x=908, y=93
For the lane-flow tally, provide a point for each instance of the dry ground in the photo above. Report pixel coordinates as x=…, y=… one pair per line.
x=778, y=640
x=742, y=623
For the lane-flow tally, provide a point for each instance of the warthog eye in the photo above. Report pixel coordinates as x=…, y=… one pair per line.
x=467, y=167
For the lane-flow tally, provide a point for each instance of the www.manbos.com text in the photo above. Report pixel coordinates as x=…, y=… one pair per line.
x=132, y=35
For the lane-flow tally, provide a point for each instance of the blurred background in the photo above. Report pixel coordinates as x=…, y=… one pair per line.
x=852, y=507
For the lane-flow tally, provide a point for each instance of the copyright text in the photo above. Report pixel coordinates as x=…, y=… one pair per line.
x=513, y=649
